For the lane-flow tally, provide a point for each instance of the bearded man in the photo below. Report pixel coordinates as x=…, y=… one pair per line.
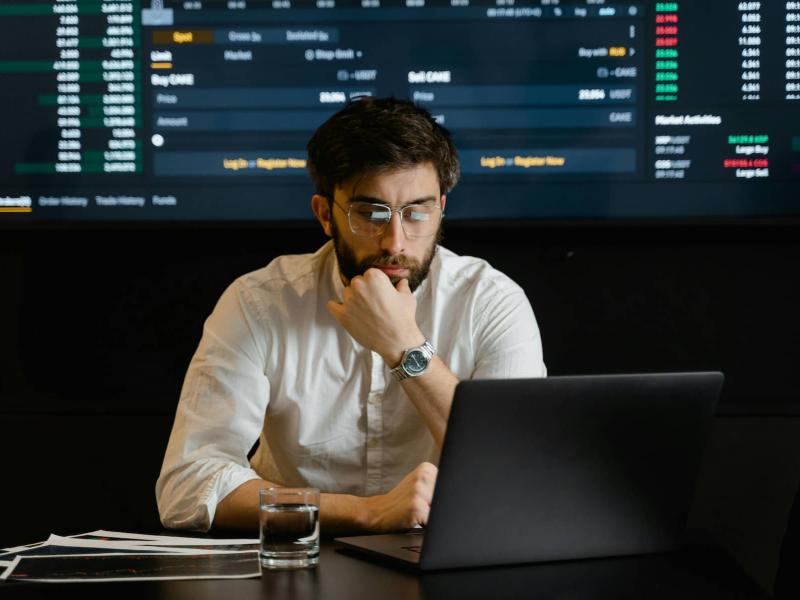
x=342, y=364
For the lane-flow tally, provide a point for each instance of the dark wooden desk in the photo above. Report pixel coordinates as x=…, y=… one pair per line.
x=700, y=574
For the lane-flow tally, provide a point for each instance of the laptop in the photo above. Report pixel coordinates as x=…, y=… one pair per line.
x=560, y=468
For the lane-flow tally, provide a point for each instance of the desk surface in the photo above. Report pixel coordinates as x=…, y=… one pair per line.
x=698, y=573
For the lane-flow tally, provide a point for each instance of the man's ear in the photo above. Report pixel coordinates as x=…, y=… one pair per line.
x=322, y=210
x=444, y=201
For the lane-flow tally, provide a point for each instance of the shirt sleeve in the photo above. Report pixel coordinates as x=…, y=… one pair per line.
x=219, y=417
x=508, y=344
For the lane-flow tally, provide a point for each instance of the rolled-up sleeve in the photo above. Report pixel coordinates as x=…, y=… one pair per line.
x=219, y=417
x=507, y=339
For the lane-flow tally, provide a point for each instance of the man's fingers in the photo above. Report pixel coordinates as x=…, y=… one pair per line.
x=425, y=492
x=372, y=272
x=426, y=481
x=375, y=273
x=403, y=287
x=420, y=513
x=428, y=469
x=357, y=282
x=335, y=308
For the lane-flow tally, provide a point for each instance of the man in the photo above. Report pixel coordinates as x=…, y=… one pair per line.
x=343, y=363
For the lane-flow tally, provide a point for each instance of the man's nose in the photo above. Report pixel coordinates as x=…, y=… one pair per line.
x=393, y=239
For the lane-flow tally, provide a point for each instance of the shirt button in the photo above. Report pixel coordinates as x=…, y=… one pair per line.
x=372, y=442
x=374, y=399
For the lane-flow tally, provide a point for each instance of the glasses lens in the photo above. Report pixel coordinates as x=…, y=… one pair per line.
x=421, y=220
x=368, y=219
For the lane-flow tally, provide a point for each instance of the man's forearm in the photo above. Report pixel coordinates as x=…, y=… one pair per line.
x=339, y=513
x=366, y=300
x=432, y=395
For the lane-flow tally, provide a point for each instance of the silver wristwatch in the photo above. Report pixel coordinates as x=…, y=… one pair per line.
x=415, y=361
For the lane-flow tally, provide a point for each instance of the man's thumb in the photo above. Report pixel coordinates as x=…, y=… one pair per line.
x=335, y=308
x=403, y=287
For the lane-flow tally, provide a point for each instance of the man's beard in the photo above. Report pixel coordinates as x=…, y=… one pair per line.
x=349, y=266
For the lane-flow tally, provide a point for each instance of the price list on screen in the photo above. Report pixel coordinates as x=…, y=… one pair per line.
x=80, y=62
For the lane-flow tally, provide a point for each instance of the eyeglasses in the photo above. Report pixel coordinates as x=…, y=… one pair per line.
x=370, y=219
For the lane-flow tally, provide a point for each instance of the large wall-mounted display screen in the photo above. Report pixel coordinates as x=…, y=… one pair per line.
x=199, y=110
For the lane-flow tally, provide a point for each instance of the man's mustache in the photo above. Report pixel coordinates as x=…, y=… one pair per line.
x=401, y=261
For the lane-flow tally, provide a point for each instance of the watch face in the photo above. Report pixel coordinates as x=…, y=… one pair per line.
x=415, y=362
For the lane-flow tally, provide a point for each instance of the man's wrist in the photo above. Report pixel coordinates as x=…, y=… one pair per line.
x=393, y=357
x=366, y=513
x=346, y=513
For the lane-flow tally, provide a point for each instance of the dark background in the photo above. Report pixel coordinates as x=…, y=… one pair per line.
x=97, y=326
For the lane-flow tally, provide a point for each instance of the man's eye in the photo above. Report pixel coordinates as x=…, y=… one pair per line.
x=369, y=212
x=378, y=215
x=416, y=215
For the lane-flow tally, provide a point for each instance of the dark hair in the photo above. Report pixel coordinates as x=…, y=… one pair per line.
x=372, y=135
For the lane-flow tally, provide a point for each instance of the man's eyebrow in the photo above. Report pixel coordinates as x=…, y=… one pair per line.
x=366, y=199
x=381, y=201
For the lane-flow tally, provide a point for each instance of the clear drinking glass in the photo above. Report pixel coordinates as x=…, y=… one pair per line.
x=289, y=531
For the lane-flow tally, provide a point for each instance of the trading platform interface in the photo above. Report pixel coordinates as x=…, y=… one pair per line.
x=201, y=109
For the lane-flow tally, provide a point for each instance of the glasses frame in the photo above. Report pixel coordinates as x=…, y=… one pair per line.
x=392, y=211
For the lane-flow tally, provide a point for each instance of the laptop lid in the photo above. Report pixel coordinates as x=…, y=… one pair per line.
x=567, y=467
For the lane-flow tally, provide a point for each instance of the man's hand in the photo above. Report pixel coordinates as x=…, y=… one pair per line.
x=407, y=504
x=378, y=315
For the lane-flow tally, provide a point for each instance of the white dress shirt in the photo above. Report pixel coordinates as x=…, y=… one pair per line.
x=274, y=365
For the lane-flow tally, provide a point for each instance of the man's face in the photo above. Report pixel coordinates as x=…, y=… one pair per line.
x=393, y=252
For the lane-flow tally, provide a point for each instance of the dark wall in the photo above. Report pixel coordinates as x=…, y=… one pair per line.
x=105, y=321
x=97, y=327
